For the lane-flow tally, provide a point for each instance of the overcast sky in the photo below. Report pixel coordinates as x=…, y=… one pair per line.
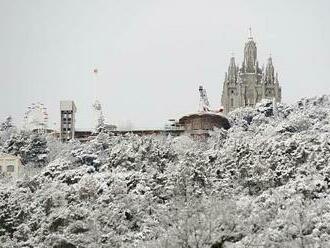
x=152, y=54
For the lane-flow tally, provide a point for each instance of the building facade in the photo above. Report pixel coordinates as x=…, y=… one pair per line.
x=246, y=85
x=10, y=165
x=68, y=111
x=202, y=122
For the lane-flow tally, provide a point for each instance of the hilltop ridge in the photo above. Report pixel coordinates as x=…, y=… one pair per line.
x=265, y=181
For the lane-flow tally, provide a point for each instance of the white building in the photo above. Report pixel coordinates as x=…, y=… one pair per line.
x=10, y=165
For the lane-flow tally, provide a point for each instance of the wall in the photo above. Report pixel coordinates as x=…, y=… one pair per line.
x=10, y=165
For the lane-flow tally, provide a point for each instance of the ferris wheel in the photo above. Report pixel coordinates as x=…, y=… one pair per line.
x=36, y=117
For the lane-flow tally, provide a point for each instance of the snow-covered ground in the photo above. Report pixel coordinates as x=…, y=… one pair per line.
x=263, y=183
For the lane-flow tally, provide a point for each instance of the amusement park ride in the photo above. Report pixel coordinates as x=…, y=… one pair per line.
x=200, y=123
x=36, y=118
x=197, y=123
x=98, y=115
x=204, y=104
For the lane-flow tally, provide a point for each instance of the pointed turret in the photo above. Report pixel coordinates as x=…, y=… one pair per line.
x=269, y=72
x=250, y=55
x=232, y=71
x=276, y=78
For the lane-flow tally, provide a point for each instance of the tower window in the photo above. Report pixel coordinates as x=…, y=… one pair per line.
x=232, y=102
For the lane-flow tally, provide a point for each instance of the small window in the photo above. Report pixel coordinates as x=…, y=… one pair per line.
x=232, y=92
x=10, y=168
x=232, y=102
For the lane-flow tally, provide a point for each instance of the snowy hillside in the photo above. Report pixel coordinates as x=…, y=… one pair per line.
x=263, y=183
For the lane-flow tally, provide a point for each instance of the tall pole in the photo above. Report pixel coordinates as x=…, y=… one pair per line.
x=94, y=100
x=95, y=73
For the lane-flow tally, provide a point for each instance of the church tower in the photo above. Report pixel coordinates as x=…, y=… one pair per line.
x=249, y=84
x=230, y=92
x=250, y=56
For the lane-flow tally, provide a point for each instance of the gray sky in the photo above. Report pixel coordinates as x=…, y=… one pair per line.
x=152, y=54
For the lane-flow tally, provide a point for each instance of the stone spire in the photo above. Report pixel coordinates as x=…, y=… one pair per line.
x=269, y=72
x=232, y=71
x=250, y=55
x=276, y=78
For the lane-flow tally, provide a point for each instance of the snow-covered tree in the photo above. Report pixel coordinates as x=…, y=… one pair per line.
x=265, y=182
x=31, y=147
x=7, y=128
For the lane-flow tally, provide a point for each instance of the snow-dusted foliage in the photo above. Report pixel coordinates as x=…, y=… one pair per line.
x=31, y=147
x=263, y=183
x=7, y=128
x=7, y=124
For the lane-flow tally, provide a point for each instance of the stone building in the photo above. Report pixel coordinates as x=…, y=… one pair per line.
x=246, y=85
x=10, y=165
x=199, y=124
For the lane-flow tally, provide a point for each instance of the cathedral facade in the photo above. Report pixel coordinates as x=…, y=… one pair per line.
x=246, y=85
